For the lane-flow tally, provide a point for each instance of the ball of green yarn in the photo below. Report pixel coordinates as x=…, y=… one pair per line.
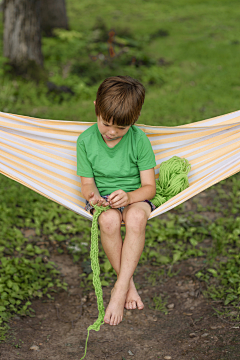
x=172, y=179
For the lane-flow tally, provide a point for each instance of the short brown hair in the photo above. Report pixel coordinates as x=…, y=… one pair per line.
x=120, y=98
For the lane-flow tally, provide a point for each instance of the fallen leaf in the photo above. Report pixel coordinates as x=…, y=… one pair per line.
x=34, y=347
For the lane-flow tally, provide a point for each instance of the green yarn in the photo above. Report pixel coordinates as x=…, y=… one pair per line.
x=172, y=180
x=96, y=271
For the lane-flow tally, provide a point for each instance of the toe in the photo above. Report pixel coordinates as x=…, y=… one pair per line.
x=134, y=305
x=140, y=305
x=107, y=317
x=112, y=322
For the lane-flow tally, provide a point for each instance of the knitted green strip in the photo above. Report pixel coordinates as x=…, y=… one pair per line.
x=96, y=271
x=172, y=180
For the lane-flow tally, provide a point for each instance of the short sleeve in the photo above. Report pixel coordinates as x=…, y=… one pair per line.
x=146, y=156
x=84, y=167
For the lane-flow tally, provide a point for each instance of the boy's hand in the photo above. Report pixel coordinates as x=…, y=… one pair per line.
x=97, y=200
x=118, y=198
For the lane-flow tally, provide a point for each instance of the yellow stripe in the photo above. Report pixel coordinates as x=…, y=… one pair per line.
x=50, y=144
x=216, y=162
x=46, y=162
x=38, y=191
x=45, y=153
x=218, y=153
x=231, y=121
x=15, y=162
x=51, y=188
x=214, y=142
x=42, y=130
x=45, y=121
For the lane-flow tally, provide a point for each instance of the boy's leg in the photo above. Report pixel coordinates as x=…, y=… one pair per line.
x=110, y=225
x=135, y=217
x=112, y=244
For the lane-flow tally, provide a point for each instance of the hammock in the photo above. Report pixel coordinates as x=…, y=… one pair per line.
x=41, y=154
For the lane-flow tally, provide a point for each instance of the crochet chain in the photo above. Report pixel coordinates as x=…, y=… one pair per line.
x=96, y=271
x=172, y=180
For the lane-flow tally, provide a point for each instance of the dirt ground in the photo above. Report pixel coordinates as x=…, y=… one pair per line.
x=190, y=331
x=59, y=329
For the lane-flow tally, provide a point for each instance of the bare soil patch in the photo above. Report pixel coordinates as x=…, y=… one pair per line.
x=190, y=330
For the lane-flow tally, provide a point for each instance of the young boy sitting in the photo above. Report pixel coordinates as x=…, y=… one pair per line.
x=115, y=157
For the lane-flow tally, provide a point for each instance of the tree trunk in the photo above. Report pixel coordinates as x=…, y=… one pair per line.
x=22, y=32
x=53, y=15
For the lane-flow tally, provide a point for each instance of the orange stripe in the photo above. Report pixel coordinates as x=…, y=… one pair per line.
x=216, y=162
x=190, y=136
x=32, y=148
x=24, y=165
x=43, y=143
x=215, y=154
x=40, y=192
x=214, y=142
x=52, y=188
x=40, y=131
x=235, y=119
x=46, y=121
x=47, y=162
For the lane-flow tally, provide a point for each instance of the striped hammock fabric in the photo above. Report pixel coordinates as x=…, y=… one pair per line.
x=41, y=154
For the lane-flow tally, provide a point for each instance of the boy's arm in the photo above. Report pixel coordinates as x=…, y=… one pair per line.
x=148, y=189
x=87, y=186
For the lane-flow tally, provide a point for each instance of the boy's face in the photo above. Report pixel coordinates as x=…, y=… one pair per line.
x=111, y=132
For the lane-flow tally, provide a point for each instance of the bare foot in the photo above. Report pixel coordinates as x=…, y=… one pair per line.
x=133, y=300
x=114, y=311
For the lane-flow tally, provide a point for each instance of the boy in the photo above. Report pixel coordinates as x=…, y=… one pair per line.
x=115, y=157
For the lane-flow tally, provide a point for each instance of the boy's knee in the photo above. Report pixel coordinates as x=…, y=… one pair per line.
x=110, y=219
x=136, y=217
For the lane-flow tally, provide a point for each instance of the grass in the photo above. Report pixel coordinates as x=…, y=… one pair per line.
x=186, y=54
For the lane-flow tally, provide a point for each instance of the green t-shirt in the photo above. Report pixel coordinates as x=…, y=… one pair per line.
x=118, y=167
